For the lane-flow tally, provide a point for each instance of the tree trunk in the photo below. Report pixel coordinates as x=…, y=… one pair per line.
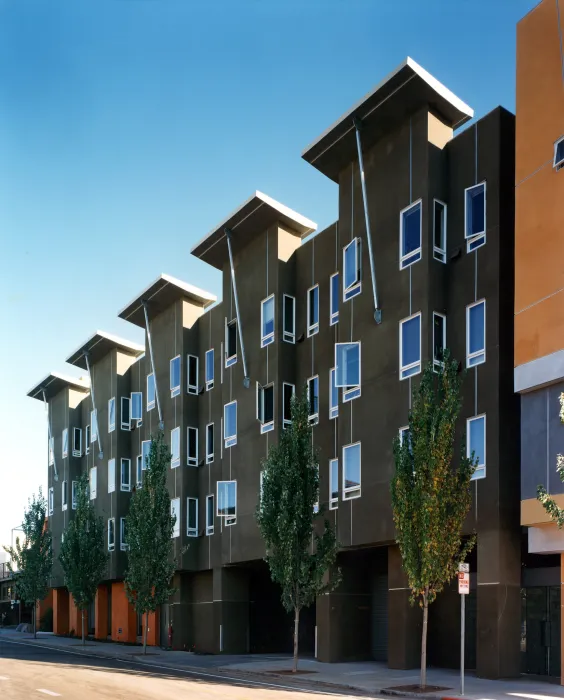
x=423, y=681
x=34, y=620
x=296, y=630
x=145, y=632
x=82, y=623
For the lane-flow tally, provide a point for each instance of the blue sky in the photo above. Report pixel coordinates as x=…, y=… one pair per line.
x=128, y=128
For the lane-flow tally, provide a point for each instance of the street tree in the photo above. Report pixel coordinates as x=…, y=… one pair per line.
x=31, y=559
x=430, y=491
x=83, y=555
x=149, y=527
x=551, y=507
x=301, y=547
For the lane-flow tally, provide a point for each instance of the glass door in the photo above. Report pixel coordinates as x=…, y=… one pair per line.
x=540, y=641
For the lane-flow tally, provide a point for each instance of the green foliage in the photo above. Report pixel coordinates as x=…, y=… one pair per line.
x=554, y=511
x=83, y=553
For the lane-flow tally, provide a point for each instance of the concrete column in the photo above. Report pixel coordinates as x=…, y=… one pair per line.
x=60, y=611
x=404, y=620
x=231, y=610
x=124, y=618
x=101, y=613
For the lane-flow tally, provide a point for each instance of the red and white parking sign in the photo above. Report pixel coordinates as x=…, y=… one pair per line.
x=463, y=583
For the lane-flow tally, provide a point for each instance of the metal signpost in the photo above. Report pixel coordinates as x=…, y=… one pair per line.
x=463, y=589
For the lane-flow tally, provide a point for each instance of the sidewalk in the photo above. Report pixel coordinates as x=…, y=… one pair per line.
x=369, y=677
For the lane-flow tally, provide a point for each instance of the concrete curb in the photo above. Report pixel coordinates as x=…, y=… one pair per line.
x=425, y=696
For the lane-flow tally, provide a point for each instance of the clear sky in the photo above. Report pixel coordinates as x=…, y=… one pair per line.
x=128, y=128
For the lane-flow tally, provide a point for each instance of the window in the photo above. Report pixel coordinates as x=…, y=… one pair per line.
x=77, y=442
x=51, y=500
x=230, y=424
x=192, y=371
x=230, y=343
x=93, y=426
x=227, y=499
x=410, y=346
x=191, y=517
x=476, y=333
x=191, y=446
x=439, y=230
x=265, y=407
x=352, y=262
x=150, y=392
x=111, y=534
x=175, y=447
x=288, y=390
x=405, y=435
x=313, y=311
x=351, y=471
x=210, y=511
x=74, y=494
x=64, y=495
x=51, y=451
x=175, y=376
x=65, y=443
x=209, y=443
x=476, y=444
x=410, y=235
x=313, y=398
x=439, y=339
x=123, y=545
x=137, y=405
x=125, y=474
x=559, y=154
x=125, y=422
x=334, y=299
x=333, y=395
x=111, y=475
x=475, y=216
x=145, y=451
x=111, y=415
x=333, y=484
x=92, y=482
x=139, y=471
x=267, y=321
x=87, y=440
x=209, y=369
x=347, y=369
x=175, y=513
x=289, y=319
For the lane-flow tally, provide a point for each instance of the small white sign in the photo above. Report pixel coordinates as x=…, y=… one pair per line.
x=465, y=567
x=463, y=583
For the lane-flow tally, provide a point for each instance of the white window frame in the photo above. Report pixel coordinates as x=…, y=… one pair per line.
x=191, y=531
x=209, y=381
x=209, y=455
x=51, y=451
x=478, y=357
x=265, y=427
x=192, y=460
x=354, y=288
x=175, y=437
x=87, y=440
x=352, y=492
x=334, y=298
x=350, y=391
x=93, y=482
x=51, y=500
x=475, y=240
x=136, y=400
x=64, y=495
x=143, y=457
x=415, y=255
x=111, y=475
x=440, y=252
x=558, y=164
x=151, y=404
x=437, y=364
x=287, y=421
x=312, y=328
x=287, y=336
x=229, y=440
x=401, y=433
x=231, y=359
x=480, y=472
x=94, y=422
x=175, y=390
x=75, y=432
x=123, y=543
x=333, y=502
x=125, y=485
x=125, y=401
x=65, y=443
x=414, y=368
x=112, y=530
x=111, y=425
x=176, y=528
x=219, y=514
x=210, y=526
x=139, y=471
x=333, y=407
x=192, y=388
x=266, y=338
x=74, y=494
x=313, y=418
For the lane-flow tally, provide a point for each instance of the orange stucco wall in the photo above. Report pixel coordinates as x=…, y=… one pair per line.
x=153, y=636
x=101, y=613
x=124, y=617
x=75, y=623
x=43, y=606
x=60, y=611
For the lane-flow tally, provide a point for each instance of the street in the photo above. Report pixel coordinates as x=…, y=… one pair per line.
x=30, y=671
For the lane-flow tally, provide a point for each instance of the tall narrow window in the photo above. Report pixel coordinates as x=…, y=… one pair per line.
x=288, y=390
x=347, y=369
x=351, y=471
x=230, y=343
x=475, y=216
x=51, y=501
x=87, y=440
x=125, y=474
x=111, y=475
x=93, y=426
x=175, y=513
x=476, y=333
x=191, y=446
x=210, y=514
x=267, y=321
x=439, y=339
x=111, y=415
x=175, y=376
x=558, y=161
x=230, y=424
x=410, y=235
x=313, y=311
x=51, y=451
x=333, y=395
x=137, y=405
x=439, y=230
x=123, y=545
x=289, y=319
x=145, y=452
x=64, y=494
x=65, y=443
x=151, y=398
x=210, y=440
x=93, y=482
x=334, y=299
x=209, y=369
x=404, y=435
x=226, y=499
x=111, y=534
x=191, y=517
x=175, y=447
x=74, y=494
x=125, y=421
x=352, y=269
x=192, y=372
x=77, y=442
x=476, y=444
x=333, y=484
x=139, y=471
x=313, y=399
x=265, y=407
x=410, y=346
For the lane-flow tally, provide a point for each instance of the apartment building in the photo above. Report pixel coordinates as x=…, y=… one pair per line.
x=421, y=257
x=539, y=321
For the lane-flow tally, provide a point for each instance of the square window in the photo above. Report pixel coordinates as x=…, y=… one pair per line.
x=351, y=471
x=93, y=482
x=230, y=424
x=191, y=517
x=476, y=444
x=192, y=371
x=333, y=484
x=111, y=534
x=352, y=262
x=475, y=216
x=125, y=474
x=123, y=545
x=334, y=299
x=313, y=311
x=192, y=446
x=267, y=321
x=111, y=475
x=210, y=513
x=347, y=369
x=94, y=426
x=289, y=319
x=65, y=443
x=559, y=154
x=51, y=500
x=139, y=471
x=210, y=440
x=175, y=447
x=333, y=395
x=175, y=514
x=313, y=399
x=64, y=495
x=410, y=346
x=288, y=390
x=410, y=234
x=125, y=421
x=439, y=230
x=476, y=333
x=87, y=440
x=151, y=394
x=111, y=415
x=51, y=450
x=230, y=343
x=175, y=376
x=136, y=405
x=209, y=369
x=439, y=339
x=226, y=499
x=265, y=407
x=74, y=494
x=77, y=442
x=145, y=452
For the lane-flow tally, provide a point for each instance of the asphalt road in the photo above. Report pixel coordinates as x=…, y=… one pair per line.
x=28, y=671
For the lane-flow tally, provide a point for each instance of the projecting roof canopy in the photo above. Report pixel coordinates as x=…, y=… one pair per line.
x=99, y=345
x=53, y=383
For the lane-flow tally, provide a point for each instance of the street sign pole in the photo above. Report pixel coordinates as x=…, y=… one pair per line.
x=463, y=590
